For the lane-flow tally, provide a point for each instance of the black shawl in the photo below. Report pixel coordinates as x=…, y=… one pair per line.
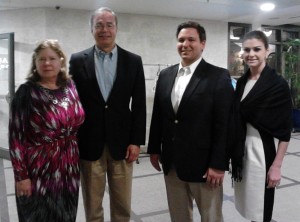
x=267, y=107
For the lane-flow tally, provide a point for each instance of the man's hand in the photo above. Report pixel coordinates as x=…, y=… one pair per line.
x=132, y=154
x=214, y=177
x=155, y=160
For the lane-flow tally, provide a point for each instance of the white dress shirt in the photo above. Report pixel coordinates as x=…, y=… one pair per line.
x=183, y=78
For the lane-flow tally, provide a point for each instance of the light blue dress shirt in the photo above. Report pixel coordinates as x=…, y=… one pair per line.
x=106, y=66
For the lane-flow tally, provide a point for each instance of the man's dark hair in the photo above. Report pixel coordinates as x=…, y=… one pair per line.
x=195, y=25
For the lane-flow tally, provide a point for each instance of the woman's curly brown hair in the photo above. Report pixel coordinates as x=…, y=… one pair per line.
x=63, y=76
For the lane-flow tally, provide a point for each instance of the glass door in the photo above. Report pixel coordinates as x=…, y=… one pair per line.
x=7, y=87
x=236, y=32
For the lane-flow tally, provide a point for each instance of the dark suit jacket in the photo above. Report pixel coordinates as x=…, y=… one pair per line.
x=195, y=138
x=122, y=119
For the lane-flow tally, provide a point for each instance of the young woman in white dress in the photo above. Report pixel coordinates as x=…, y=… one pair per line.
x=262, y=113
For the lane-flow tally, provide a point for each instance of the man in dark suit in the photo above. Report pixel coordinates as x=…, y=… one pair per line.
x=188, y=130
x=111, y=85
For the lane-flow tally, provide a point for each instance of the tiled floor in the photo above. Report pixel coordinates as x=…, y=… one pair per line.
x=149, y=198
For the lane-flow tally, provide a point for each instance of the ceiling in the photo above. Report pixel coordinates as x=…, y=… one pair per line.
x=240, y=11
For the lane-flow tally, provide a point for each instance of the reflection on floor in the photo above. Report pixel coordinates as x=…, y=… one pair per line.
x=149, y=197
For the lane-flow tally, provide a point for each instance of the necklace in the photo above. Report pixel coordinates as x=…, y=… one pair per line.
x=64, y=101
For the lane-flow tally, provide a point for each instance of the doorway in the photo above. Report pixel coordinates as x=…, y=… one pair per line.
x=7, y=88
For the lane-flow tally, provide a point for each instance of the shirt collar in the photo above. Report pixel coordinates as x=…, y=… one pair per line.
x=102, y=53
x=193, y=66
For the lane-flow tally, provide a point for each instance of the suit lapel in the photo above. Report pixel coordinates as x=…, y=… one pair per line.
x=195, y=79
x=91, y=71
x=90, y=63
x=169, y=83
x=120, y=70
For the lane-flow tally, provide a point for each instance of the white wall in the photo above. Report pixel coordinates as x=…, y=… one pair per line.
x=152, y=37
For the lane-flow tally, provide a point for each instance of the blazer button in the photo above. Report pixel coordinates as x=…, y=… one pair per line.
x=106, y=106
x=176, y=121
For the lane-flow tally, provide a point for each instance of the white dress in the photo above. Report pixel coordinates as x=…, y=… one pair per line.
x=249, y=193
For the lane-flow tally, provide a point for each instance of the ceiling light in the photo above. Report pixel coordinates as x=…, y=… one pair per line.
x=267, y=7
x=268, y=33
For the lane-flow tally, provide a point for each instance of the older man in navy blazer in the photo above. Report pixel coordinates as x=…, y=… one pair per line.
x=188, y=132
x=111, y=85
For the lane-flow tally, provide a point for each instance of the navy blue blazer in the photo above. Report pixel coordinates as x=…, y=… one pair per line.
x=194, y=139
x=122, y=119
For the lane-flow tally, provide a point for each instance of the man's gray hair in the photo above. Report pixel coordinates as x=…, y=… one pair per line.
x=99, y=11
